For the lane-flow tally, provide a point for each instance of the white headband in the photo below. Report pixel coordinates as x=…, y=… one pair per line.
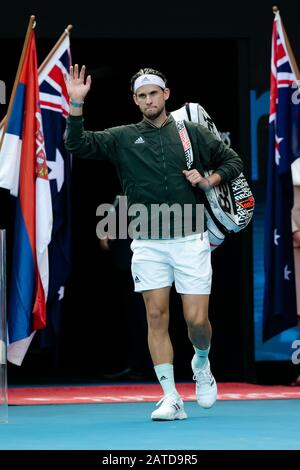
x=148, y=79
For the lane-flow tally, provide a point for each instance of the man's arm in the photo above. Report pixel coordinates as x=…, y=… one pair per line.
x=204, y=183
x=213, y=155
x=226, y=162
x=81, y=143
x=88, y=144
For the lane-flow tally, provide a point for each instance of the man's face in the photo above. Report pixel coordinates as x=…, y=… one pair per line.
x=151, y=100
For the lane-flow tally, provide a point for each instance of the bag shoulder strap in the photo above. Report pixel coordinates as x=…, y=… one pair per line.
x=189, y=157
x=186, y=143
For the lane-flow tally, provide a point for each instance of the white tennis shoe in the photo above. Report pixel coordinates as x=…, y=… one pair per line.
x=171, y=407
x=206, y=387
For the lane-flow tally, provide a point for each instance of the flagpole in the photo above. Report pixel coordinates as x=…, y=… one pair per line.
x=45, y=62
x=55, y=47
x=31, y=26
x=288, y=46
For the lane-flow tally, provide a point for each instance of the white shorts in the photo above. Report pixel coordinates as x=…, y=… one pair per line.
x=158, y=263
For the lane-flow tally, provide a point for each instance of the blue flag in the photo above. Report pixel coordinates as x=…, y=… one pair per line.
x=55, y=109
x=279, y=310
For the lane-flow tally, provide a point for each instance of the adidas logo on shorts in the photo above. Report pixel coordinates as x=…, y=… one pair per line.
x=136, y=279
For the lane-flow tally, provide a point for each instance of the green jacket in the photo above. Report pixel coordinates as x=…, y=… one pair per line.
x=150, y=160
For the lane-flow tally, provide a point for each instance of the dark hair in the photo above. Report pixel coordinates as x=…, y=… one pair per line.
x=143, y=72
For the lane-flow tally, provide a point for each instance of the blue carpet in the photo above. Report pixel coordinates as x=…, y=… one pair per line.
x=229, y=425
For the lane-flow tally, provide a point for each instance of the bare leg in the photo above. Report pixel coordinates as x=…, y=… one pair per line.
x=157, y=308
x=195, y=310
x=161, y=350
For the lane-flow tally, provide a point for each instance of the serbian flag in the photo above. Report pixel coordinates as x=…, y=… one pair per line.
x=279, y=311
x=24, y=171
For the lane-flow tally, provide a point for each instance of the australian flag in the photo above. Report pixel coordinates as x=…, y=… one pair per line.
x=280, y=311
x=55, y=109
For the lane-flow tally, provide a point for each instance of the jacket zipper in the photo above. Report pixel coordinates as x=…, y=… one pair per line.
x=164, y=165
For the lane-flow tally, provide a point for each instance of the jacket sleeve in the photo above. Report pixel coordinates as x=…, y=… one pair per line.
x=219, y=157
x=88, y=144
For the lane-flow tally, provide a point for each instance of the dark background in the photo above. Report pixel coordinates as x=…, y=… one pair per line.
x=212, y=53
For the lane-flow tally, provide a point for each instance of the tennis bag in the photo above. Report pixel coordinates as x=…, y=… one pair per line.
x=229, y=206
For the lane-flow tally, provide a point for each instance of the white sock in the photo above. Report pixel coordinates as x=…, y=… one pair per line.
x=201, y=357
x=165, y=375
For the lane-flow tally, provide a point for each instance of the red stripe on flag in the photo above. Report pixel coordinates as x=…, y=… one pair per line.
x=280, y=54
x=273, y=88
x=285, y=82
x=57, y=76
x=49, y=104
x=27, y=194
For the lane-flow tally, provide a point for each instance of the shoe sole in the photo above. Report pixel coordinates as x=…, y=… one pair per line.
x=205, y=407
x=179, y=416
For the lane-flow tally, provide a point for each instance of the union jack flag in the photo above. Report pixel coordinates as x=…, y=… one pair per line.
x=279, y=310
x=55, y=108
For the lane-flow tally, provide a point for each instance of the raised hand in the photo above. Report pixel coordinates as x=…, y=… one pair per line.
x=76, y=87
